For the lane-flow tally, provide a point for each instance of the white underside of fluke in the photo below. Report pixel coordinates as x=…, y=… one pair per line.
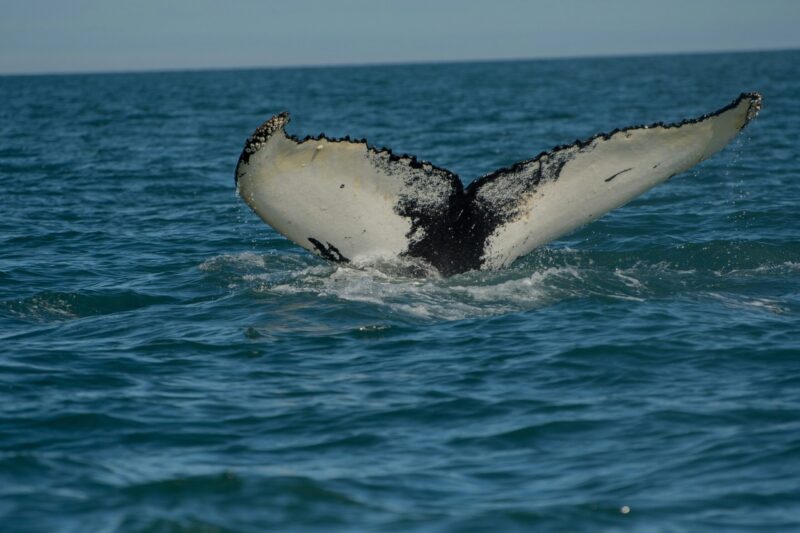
x=347, y=201
x=328, y=192
x=601, y=176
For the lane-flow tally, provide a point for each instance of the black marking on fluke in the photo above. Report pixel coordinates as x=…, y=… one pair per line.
x=328, y=251
x=617, y=174
x=453, y=240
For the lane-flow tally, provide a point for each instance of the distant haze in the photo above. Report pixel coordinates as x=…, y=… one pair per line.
x=38, y=36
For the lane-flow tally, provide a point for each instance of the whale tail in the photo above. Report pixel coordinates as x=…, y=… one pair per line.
x=346, y=200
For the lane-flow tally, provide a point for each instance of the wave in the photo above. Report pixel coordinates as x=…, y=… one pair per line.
x=48, y=306
x=714, y=270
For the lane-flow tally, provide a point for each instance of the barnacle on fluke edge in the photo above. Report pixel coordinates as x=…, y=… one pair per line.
x=348, y=201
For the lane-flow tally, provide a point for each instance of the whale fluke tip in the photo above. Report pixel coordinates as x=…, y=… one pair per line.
x=755, y=104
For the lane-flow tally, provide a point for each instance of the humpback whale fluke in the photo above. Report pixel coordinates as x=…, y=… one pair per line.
x=348, y=201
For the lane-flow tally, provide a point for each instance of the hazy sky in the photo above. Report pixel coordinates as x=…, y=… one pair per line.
x=88, y=35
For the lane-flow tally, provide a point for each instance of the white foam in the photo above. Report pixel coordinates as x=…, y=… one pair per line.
x=471, y=295
x=394, y=287
x=243, y=259
x=760, y=304
x=628, y=279
x=787, y=265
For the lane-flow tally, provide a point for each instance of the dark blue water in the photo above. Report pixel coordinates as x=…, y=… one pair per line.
x=170, y=363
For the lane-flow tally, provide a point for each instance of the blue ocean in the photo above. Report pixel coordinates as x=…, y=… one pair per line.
x=170, y=363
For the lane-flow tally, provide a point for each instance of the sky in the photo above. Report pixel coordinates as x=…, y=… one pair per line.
x=44, y=36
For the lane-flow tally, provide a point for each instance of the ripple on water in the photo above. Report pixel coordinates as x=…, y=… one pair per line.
x=169, y=363
x=53, y=306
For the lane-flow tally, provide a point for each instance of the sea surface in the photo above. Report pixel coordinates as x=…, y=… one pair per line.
x=170, y=363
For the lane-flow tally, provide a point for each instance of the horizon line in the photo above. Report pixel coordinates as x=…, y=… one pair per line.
x=398, y=63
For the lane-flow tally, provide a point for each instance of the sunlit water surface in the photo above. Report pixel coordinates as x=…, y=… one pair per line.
x=170, y=363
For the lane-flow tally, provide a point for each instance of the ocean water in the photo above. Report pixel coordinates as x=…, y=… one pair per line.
x=170, y=363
